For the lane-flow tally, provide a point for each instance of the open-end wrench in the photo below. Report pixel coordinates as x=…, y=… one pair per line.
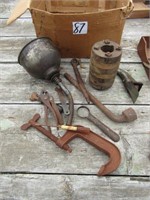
x=84, y=112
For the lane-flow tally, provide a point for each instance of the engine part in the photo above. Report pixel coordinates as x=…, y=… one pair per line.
x=41, y=59
x=127, y=115
x=32, y=123
x=132, y=86
x=104, y=63
x=84, y=112
x=144, y=53
x=98, y=142
x=75, y=63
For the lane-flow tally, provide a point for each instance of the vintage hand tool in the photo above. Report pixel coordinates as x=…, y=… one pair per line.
x=49, y=105
x=32, y=123
x=132, y=86
x=86, y=134
x=127, y=115
x=41, y=60
x=99, y=143
x=144, y=53
x=63, y=101
x=75, y=63
x=84, y=112
x=68, y=111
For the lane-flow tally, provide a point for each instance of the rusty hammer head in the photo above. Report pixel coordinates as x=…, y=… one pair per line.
x=30, y=122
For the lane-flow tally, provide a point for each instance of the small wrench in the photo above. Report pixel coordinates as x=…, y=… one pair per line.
x=75, y=63
x=64, y=105
x=84, y=112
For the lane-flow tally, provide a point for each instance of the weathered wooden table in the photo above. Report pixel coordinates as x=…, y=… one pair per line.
x=31, y=166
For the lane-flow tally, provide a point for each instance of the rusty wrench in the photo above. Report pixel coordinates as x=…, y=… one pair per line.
x=75, y=63
x=127, y=115
x=84, y=112
x=63, y=101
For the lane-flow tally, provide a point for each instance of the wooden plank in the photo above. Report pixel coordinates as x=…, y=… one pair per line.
x=30, y=151
x=10, y=53
x=20, y=85
x=19, y=28
x=73, y=187
x=6, y=8
x=11, y=46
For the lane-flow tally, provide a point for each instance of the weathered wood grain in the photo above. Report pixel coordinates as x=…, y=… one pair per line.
x=30, y=151
x=21, y=187
x=19, y=28
x=6, y=8
x=26, y=153
x=11, y=46
x=20, y=85
x=15, y=33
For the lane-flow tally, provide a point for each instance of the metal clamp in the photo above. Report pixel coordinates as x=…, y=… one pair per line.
x=99, y=143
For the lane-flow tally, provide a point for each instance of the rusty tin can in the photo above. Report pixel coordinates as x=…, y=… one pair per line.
x=104, y=63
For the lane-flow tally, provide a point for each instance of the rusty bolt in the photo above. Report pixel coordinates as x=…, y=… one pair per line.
x=106, y=41
x=108, y=54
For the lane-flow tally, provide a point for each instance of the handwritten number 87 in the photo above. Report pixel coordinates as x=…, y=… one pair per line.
x=78, y=27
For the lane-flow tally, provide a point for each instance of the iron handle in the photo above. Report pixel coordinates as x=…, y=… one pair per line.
x=87, y=114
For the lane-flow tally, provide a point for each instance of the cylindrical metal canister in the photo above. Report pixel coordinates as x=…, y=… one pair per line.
x=104, y=63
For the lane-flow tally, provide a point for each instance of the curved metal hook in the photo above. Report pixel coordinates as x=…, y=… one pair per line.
x=98, y=142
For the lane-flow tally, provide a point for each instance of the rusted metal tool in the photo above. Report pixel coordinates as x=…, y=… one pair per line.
x=32, y=123
x=86, y=134
x=144, y=53
x=127, y=115
x=99, y=143
x=48, y=102
x=63, y=101
x=67, y=110
x=41, y=59
x=71, y=104
x=84, y=112
x=75, y=63
x=132, y=86
x=104, y=63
